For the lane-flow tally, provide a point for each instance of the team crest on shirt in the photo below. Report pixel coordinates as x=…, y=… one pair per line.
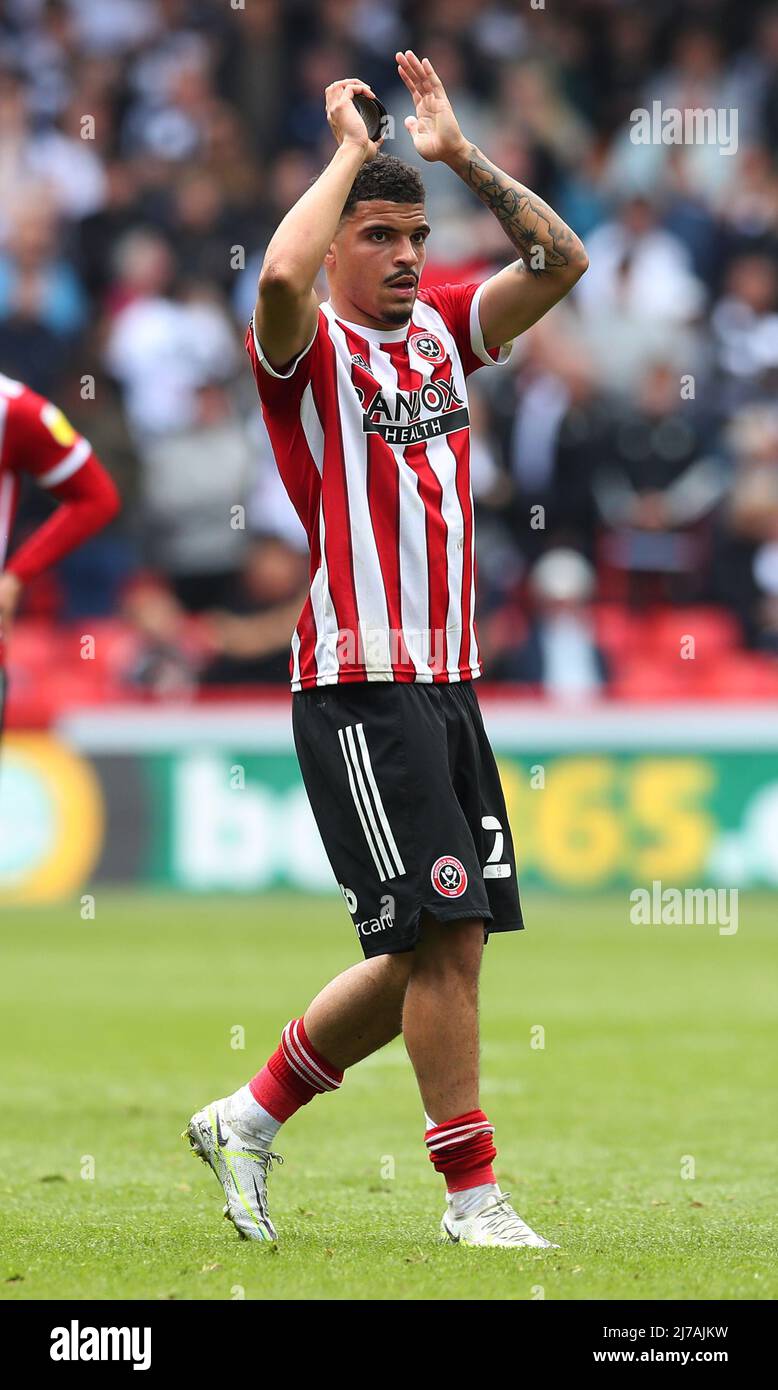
x=427, y=346
x=449, y=876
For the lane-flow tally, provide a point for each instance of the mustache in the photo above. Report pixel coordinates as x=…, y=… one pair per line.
x=405, y=275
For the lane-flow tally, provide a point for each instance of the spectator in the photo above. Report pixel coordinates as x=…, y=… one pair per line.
x=643, y=290
x=195, y=483
x=749, y=570
x=253, y=632
x=745, y=328
x=163, y=344
x=656, y=488
x=559, y=654
x=42, y=303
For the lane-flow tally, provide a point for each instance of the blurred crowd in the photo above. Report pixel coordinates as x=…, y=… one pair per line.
x=626, y=459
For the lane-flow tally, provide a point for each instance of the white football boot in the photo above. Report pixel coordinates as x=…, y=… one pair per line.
x=495, y=1223
x=240, y=1165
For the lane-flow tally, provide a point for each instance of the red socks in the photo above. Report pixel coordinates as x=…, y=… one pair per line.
x=293, y=1075
x=463, y=1151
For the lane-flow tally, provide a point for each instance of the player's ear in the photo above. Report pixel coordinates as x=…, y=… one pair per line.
x=329, y=258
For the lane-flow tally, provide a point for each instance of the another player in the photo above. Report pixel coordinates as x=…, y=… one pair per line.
x=35, y=438
x=366, y=403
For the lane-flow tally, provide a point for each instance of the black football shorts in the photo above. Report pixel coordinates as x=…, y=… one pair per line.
x=407, y=797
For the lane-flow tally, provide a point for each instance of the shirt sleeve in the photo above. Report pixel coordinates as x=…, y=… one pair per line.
x=42, y=442
x=458, y=306
x=280, y=386
x=88, y=500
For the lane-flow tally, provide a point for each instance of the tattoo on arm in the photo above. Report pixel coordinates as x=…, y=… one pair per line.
x=529, y=223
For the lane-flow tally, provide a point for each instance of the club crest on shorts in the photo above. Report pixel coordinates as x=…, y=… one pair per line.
x=449, y=877
x=427, y=346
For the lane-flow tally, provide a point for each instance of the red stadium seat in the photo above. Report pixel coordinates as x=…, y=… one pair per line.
x=616, y=629
x=31, y=646
x=714, y=630
x=739, y=676
x=113, y=648
x=641, y=678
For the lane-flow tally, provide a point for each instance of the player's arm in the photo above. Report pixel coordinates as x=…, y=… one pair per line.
x=87, y=502
x=553, y=258
x=286, y=310
x=71, y=473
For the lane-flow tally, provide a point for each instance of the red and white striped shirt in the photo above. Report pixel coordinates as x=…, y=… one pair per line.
x=370, y=432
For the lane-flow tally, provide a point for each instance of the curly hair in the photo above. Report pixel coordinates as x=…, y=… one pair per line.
x=386, y=177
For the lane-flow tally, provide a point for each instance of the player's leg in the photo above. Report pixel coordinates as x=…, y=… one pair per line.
x=354, y=1015
x=360, y=1010
x=440, y=1020
x=440, y=1016
x=347, y=743
x=440, y=1028
x=357, y=1013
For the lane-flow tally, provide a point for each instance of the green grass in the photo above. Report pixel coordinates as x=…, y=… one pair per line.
x=657, y=1046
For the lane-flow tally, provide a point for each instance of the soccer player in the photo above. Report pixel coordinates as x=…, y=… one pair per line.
x=365, y=399
x=35, y=438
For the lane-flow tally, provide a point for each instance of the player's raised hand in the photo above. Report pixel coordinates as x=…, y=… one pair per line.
x=10, y=589
x=434, y=129
x=344, y=120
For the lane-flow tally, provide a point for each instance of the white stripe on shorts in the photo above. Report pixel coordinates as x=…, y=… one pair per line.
x=359, y=768
x=379, y=805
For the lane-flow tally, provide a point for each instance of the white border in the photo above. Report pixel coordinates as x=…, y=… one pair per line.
x=514, y=726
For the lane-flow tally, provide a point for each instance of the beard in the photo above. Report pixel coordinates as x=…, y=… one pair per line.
x=399, y=314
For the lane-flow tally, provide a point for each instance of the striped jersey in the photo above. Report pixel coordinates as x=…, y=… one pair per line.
x=35, y=438
x=370, y=432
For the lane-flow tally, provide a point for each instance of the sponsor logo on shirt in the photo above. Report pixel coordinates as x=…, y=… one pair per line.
x=410, y=417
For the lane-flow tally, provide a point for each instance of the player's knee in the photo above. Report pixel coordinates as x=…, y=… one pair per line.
x=449, y=947
x=392, y=972
x=397, y=967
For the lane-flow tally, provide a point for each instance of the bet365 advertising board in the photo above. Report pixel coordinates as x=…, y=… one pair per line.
x=210, y=800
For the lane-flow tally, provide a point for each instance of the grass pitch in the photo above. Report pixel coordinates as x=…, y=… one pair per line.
x=655, y=1067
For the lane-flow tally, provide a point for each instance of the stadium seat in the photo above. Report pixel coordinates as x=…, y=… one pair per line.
x=739, y=676
x=31, y=647
x=114, y=645
x=715, y=631
x=617, y=630
x=641, y=678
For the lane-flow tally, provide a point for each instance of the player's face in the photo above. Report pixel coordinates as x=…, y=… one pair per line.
x=375, y=262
